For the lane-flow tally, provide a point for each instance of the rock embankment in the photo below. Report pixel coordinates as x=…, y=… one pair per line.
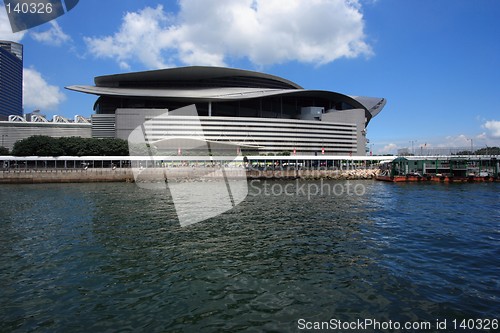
x=313, y=174
x=342, y=175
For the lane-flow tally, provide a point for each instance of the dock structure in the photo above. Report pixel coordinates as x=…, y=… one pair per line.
x=454, y=168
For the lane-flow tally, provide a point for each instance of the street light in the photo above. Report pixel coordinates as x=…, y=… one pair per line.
x=471, y=146
x=412, y=149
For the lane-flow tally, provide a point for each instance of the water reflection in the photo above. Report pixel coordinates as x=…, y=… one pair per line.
x=97, y=257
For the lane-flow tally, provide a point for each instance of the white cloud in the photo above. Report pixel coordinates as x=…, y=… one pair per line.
x=494, y=127
x=388, y=149
x=139, y=37
x=5, y=28
x=38, y=94
x=482, y=136
x=464, y=141
x=209, y=32
x=455, y=141
x=54, y=36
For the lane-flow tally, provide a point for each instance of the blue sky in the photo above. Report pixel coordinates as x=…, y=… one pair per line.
x=436, y=62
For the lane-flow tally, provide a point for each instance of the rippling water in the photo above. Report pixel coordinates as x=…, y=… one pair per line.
x=113, y=258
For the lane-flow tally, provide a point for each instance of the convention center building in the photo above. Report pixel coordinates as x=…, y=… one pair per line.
x=238, y=107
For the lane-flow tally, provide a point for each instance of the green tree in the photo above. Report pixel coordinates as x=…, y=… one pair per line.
x=488, y=151
x=4, y=151
x=463, y=152
x=113, y=147
x=70, y=146
x=284, y=153
x=92, y=147
x=38, y=145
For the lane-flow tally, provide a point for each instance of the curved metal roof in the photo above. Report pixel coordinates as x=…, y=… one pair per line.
x=204, y=84
x=372, y=104
x=201, y=76
x=211, y=94
x=215, y=94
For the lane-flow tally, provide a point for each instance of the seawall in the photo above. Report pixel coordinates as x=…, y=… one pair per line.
x=65, y=176
x=31, y=176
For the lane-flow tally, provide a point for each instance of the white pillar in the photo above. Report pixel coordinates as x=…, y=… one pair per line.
x=210, y=109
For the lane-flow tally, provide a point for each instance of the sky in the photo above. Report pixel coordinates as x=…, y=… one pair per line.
x=436, y=62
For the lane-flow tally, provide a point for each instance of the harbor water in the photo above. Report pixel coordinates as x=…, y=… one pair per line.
x=112, y=257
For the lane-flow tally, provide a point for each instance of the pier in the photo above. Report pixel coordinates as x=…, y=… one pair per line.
x=449, y=169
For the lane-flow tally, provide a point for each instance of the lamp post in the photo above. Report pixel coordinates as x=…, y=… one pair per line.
x=412, y=149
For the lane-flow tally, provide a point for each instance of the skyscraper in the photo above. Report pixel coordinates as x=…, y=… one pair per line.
x=11, y=79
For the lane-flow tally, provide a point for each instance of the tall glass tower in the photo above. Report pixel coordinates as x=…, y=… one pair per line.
x=11, y=79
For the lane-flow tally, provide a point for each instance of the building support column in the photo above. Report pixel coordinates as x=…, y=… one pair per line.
x=281, y=107
x=210, y=109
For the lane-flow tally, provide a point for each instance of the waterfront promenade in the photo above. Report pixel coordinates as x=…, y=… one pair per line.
x=71, y=169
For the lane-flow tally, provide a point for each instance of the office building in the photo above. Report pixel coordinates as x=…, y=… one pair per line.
x=11, y=79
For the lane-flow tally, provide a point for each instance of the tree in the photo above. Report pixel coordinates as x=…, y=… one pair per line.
x=4, y=151
x=488, y=151
x=114, y=147
x=284, y=153
x=463, y=152
x=38, y=145
x=70, y=146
